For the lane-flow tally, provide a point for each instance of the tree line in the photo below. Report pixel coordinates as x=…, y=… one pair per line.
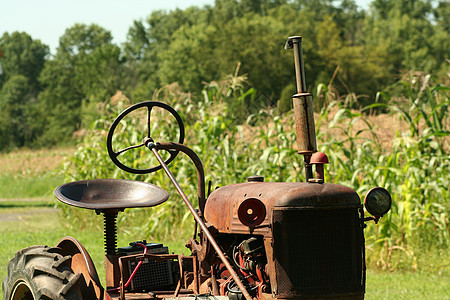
x=45, y=98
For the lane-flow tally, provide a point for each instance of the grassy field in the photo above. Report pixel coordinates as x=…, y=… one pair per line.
x=31, y=173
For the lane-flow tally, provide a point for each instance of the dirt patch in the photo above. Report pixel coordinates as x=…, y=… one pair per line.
x=384, y=126
x=15, y=209
x=20, y=216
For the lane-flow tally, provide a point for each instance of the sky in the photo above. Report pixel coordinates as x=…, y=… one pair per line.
x=46, y=20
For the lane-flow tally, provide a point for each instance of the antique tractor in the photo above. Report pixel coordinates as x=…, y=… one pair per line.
x=253, y=240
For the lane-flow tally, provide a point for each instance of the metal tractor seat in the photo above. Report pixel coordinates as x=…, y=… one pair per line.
x=110, y=194
x=109, y=197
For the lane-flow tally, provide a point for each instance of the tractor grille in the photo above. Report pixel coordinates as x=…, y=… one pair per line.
x=318, y=252
x=151, y=275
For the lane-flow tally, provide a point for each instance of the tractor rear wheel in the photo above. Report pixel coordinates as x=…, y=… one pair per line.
x=40, y=272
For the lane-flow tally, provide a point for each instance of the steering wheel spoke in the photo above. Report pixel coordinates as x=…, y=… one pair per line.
x=128, y=148
x=149, y=129
x=149, y=105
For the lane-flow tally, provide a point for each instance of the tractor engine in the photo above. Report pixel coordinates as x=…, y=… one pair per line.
x=290, y=240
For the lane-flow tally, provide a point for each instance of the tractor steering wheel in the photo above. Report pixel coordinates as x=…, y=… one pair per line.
x=149, y=104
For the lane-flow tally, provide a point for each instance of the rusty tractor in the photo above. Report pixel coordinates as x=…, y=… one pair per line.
x=253, y=240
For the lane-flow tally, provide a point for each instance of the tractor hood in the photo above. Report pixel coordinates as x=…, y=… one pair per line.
x=221, y=209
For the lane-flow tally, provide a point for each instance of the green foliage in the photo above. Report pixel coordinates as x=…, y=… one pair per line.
x=20, y=115
x=176, y=47
x=85, y=71
x=285, y=102
x=423, y=154
x=22, y=56
x=414, y=170
x=191, y=54
x=148, y=41
x=356, y=51
x=407, y=31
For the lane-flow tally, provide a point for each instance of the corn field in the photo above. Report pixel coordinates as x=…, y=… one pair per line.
x=235, y=140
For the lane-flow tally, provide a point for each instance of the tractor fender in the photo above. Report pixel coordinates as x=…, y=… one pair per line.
x=82, y=263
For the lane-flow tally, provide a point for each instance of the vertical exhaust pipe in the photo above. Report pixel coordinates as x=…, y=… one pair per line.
x=303, y=108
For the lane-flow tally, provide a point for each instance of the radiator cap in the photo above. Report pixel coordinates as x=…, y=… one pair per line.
x=255, y=178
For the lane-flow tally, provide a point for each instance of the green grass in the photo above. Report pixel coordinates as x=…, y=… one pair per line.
x=31, y=173
x=22, y=204
x=407, y=285
x=24, y=186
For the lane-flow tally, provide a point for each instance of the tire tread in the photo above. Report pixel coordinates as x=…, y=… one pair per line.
x=46, y=272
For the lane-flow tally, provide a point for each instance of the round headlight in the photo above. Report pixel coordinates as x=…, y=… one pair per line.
x=378, y=201
x=252, y=212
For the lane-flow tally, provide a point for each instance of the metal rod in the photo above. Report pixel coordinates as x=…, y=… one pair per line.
x=303, y=108
x=295, y=42
x=152, y=147
x=198, y=165
x=299, y=68
x=308, y=167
